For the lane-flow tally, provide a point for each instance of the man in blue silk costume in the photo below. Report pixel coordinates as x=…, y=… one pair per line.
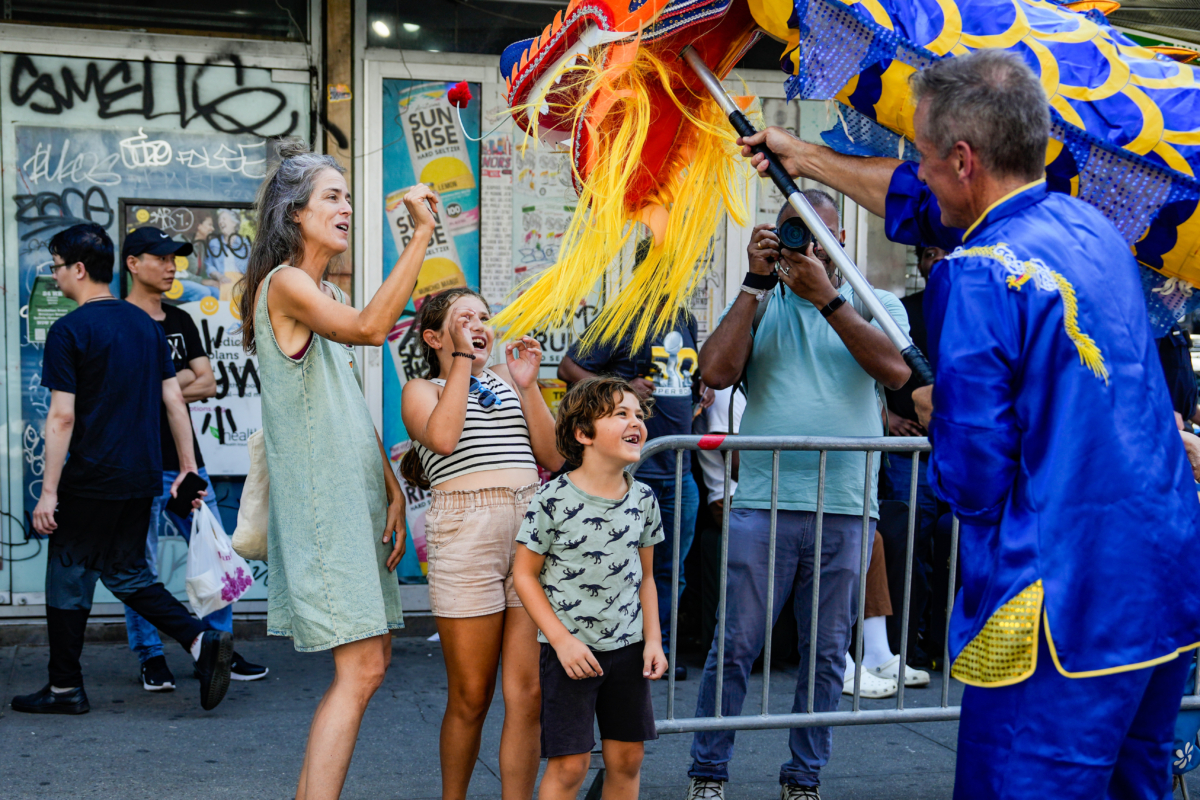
x=1054, y=442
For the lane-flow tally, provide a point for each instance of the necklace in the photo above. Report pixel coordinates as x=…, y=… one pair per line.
x=100, y=297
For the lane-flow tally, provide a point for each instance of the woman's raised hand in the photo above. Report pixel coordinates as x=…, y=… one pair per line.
x=422, y=202
x=523, y=357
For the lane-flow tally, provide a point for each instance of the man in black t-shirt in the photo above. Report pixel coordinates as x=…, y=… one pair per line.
x=665, y=368
x=110, y=374
x=149, y=256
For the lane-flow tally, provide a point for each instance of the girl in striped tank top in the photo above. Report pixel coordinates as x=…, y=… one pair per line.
x=478, y=435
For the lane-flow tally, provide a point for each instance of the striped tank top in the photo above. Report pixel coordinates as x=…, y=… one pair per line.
x=492, y=438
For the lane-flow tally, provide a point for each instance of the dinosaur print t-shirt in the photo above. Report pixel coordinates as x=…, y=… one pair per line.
x=593, y=571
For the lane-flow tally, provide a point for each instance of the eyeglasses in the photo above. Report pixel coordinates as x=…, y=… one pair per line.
x=487, y=398
x=56, y=267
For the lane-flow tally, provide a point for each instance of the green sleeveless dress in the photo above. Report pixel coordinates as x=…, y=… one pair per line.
x=327, y=583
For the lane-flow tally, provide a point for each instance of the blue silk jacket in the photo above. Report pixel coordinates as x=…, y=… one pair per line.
x=1053, y=441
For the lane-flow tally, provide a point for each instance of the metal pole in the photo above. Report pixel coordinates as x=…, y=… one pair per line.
x=816, y=590
x=863, y=560
x=908, y=568
x=766, y=692
x=862, y=289
x=949, y=610
x=723, y=585
x=674, y=581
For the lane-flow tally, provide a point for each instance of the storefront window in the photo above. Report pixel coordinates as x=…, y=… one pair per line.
x=256, y=19
x=450, y=27
x=485, y=26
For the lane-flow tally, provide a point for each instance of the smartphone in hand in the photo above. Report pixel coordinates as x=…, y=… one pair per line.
x=189, y=490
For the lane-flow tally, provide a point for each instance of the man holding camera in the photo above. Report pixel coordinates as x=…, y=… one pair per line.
x=1079, y=608
x=811, y=364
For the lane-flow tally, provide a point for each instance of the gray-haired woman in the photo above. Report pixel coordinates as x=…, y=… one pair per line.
x=335, y=502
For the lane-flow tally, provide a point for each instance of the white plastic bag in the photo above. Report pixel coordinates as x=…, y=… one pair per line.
x=216, y=575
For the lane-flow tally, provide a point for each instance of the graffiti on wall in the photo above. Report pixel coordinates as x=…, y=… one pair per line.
x=90, y=138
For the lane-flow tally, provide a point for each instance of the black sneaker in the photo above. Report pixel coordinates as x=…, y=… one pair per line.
x=216, y=652
x=242, y=670
x=156, y=675
x=48, y=702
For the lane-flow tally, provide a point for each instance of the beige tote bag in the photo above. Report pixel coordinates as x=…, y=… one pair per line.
x=250, y=535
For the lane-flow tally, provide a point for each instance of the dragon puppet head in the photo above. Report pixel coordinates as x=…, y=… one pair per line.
x=649, y=150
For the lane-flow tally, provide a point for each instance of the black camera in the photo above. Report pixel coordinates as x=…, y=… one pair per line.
x=794, y=234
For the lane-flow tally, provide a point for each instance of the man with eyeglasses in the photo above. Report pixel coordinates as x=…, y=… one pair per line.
x=109, y=371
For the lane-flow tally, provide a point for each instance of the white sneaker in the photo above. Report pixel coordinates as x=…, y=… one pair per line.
x=913, y=678
x=799, y=793
x=871, y=686
x=705, y=789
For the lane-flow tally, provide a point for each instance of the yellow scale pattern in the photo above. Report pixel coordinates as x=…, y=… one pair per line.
x=1005, y=651
x=1020, y=272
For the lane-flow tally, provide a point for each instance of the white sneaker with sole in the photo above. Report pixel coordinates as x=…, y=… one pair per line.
x=706, y=789
x=799, y=793
x=913, y=678
x=871, y=687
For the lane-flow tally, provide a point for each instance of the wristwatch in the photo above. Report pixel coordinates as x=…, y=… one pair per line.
x=833, y=306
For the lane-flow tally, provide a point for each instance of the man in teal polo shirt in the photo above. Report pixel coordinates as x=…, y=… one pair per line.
x=811, y=369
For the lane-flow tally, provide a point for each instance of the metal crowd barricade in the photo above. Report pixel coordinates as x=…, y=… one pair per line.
x=727, y=444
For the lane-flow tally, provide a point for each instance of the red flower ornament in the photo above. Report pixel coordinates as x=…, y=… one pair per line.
x=460, y=95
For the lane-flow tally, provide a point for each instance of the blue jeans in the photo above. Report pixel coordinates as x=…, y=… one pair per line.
x=664, y=490
x=143, y=637
x=745, y=617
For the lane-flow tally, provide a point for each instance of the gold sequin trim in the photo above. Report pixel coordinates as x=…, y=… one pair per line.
x=1005, y=651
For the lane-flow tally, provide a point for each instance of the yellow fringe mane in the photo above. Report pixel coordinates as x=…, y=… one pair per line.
x=707, y=178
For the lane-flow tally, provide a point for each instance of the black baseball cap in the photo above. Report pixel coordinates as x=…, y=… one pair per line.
x=153, y=241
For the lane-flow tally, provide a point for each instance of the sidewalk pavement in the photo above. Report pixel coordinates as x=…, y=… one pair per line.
x=135, y=745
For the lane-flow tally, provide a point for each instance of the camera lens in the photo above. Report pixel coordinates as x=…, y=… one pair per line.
x=794, y=234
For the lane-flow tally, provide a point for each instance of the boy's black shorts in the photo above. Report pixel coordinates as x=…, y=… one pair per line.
x=619, y=700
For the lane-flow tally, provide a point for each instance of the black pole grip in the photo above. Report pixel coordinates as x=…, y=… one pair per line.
x=775, y=170
x=917, y=363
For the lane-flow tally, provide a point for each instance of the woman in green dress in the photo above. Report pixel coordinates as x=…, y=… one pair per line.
x=337, y=525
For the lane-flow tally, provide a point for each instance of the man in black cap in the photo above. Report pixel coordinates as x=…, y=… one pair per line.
x=149, y=256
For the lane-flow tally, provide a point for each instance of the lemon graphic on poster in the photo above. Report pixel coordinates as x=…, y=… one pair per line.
x=437, y=275
x=176, y=290
x=446, y=174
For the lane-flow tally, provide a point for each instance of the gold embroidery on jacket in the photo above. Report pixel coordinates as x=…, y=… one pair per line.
x=1021, y=272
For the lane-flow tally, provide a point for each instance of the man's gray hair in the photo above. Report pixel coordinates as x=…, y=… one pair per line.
x=817, y=198
x=991, y=100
